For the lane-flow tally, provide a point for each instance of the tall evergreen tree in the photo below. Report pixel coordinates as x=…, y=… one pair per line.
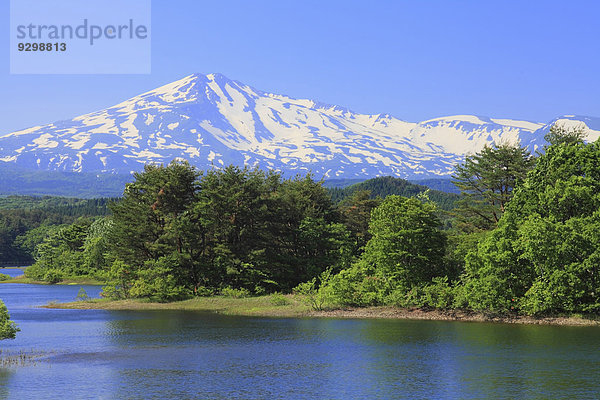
x=145, y=234
x=356, y=215
x=487, y=181
x=562, y=134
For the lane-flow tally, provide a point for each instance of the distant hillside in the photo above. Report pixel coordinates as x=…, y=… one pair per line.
x=341, y=183
x=441, y=184
x=384, y=186
x=57, y=205
x=18, y=181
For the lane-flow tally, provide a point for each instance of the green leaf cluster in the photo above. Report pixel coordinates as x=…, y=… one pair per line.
x=544, y=256
x=404, y=254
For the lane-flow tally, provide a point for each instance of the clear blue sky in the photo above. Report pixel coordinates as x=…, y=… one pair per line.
x=416, y=60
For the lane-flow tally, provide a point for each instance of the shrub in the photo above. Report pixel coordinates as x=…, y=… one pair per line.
x=53, y=276
x=82, y=295
x=35, y=272
x=277, y=299
x=317, y=297
x=355, y=286
x=8, y=329
x=310, y=294
x=235, y=293
x=405, y=298
x=438, y=294
x=203, y=291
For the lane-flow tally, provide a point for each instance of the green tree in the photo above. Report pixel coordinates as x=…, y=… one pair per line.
x=8, y=329
x=404, y=254
x=61, y=253
x=487, y=181
x=97, y=257
x=407, y=247
x=304, y=234
x=173, y=234
x=562, y=134
x=230, y=219
x=146, y=221
x=543, y=257
x=144, y=218
x=356, y=215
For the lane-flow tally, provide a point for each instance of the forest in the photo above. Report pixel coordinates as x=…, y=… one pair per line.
x=522, y=237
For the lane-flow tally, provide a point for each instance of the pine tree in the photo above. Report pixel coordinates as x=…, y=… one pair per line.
x=487, y=181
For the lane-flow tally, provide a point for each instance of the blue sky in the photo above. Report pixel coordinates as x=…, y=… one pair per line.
x=532, y=60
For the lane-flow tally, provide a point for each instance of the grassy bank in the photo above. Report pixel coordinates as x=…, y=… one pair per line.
x=291, y=306
x=82, y=280
x=280, y=306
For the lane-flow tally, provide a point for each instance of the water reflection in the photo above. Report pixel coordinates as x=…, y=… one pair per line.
x=5, y=375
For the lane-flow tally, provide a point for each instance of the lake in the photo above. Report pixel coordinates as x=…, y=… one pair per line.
x=100, y=354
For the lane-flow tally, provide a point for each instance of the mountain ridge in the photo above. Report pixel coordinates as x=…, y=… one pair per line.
x=213, y=121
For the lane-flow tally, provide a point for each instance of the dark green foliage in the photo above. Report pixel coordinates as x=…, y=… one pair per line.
x=176, y=232
x=70, y=250
x=97, y=248
x=305, y=231
x=120, y=278
x=385, y=186
x=30, y=241
x=407, y=246
x=147, y=236
x=341, y=183
x=356, y=215
x=26, y=221
x=63, y=206
x=53, y=276
x=523, y=241
x=160, y=280
x=459, y=244
x=145, y=218
x=487, y=181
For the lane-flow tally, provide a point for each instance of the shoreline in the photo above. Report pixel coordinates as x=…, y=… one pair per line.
x=264, y=307
x=69, y=281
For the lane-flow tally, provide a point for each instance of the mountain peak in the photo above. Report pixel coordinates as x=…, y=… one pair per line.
x=212, y=120
x=216, y=76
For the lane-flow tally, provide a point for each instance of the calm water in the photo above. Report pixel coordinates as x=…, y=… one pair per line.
x=95, y=354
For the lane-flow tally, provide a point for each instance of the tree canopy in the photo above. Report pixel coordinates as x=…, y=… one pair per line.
x=406, y=246
x=543, y=257
x=176, y=232
x=487, y=180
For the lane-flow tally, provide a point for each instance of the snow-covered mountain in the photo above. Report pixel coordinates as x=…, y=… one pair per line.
x=213, y=121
